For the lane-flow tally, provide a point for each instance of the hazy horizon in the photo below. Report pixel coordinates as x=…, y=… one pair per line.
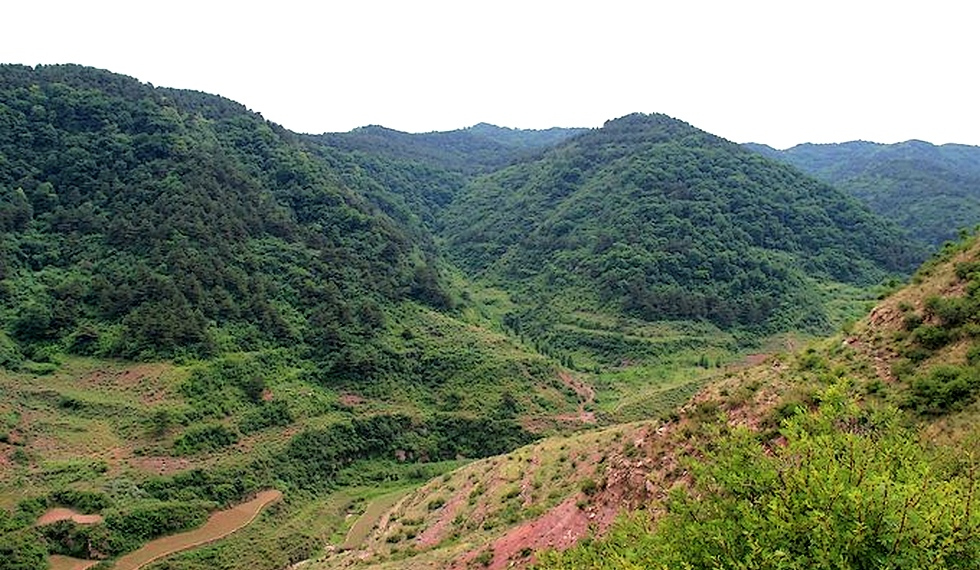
x=766, y=72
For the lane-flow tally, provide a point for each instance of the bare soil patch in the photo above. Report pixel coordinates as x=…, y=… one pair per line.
x=560, y=528
x=160, y=465
x=350, y=400
x=63, y=514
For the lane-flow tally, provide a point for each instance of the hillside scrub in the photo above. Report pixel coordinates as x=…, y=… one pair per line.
x=848, y=488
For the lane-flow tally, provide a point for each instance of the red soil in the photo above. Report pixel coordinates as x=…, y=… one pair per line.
x=350, y=400
x=436, y=533
x=63, y=514
x=561, y=527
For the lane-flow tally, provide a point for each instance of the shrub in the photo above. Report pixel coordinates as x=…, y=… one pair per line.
x=589, y=487
x=22, y=550
x=269, y=414
x=931, y=337
x=834, y=496
x=436, y=503
x=84, y=501
x=204, y=438
x=150, y=520
x=943, y=389
x=912, y=321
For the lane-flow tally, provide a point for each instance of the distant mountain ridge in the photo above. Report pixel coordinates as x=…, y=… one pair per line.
x=471, y=150
x=931, y=190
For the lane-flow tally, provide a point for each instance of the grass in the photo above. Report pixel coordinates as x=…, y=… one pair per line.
x=368, y=520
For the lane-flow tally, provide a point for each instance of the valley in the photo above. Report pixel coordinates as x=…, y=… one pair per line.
x=482, y=348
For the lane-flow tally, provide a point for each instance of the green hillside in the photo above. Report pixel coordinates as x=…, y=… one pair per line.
x=197, y=305
x=147, y=222
x=859, y=452
x=651, y=218
x=472, y=150
x=933, y=191
x=414, y=177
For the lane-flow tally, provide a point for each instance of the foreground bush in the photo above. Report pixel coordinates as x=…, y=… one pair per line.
x=847, y=490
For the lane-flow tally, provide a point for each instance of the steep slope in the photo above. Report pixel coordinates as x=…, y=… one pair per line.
x=146, y=221
x=859, y=449
x=652, y=218
x=934, y=191
x=294, y=323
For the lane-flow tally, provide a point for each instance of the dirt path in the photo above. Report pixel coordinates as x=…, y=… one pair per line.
x=59, y=562
x=219, y=525
x=586, y=395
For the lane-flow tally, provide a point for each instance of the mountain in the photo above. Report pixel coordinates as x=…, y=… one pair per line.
x=142, y=221
x=652, y=218
x=417, y=175
x=933, y=191
x=479, y=148
x=196, y=305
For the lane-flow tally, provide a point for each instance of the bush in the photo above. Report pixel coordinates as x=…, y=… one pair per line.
x=23, y=550
x=931, y=337
x=270, y=414
x=912, y=321
x=589, y=487
x=150, y=520
x=204, y=438
x=847, y=490
x=943, y=389
x=83, y=501
x=221, y=486
x=10, y=356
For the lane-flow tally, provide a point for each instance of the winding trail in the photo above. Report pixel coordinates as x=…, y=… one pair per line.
x=219, y=525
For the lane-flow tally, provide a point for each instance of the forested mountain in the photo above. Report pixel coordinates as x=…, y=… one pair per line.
x=420, y=174
x=651, y=217
x=300, y=331
x=145, y=221
x=933, y=191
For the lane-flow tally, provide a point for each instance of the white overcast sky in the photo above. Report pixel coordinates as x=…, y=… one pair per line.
x=777, y=72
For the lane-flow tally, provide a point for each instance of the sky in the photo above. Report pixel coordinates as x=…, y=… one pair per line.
x=775, y=72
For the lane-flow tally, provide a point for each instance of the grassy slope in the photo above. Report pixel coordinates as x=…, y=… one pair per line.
x=578, y=485
x=108, y=426
x=879, y=364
